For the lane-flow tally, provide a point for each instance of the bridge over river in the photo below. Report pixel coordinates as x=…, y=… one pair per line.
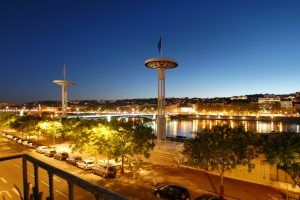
x=108, y=116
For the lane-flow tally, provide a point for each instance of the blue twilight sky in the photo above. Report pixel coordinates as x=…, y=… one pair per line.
x=224, y=47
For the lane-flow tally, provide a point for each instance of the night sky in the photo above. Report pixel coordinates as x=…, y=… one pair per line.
x=224, y=48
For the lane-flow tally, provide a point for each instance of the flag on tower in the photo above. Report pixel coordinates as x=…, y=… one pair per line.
x=160, y=45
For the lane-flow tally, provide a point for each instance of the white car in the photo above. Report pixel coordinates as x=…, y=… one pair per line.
x=19, y=141
x=85, y=164
x=10, y=137
x=32, y=145
x=25, y=143
x=41, y=149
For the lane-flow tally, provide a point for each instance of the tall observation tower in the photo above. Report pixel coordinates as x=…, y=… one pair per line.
x=161, y=64
x=64, y=92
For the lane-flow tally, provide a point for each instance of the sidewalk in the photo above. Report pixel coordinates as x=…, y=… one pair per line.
x=199, y=182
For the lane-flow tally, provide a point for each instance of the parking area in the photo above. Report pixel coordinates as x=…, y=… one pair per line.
x=9, y=147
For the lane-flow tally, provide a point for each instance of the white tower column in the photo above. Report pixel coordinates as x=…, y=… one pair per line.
x=161, y=91
x=64, y=100
x=64, y=95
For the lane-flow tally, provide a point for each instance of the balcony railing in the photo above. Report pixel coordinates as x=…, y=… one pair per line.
x=97, y=191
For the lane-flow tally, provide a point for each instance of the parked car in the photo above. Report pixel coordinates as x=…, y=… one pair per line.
x=32, y=145
x=85, y=164
x=19, y=141
x=209, y=197
x=25, y=143
x=172, y=192
x=73, y=160
x=10, y=137
x=61, y=155
x=15, y=139
x=105, y=170
x=50, y=152
x=41, y=149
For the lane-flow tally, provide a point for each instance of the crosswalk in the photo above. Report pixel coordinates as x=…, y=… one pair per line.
x=5, y=194
x=3, y=180
x=8, y=193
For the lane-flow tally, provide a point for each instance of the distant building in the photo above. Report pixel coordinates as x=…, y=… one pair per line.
x=4, y=105
x=50, y=109
x=297, y=94
x=297, y=106
x=286, y=104
x=264, y=100
x=239, y=98
x=297, y=101
x=181, y=109
x=186, y=109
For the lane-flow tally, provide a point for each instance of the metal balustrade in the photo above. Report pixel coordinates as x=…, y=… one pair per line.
x=99, y=193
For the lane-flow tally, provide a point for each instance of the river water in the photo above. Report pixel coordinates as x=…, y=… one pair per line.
x=187, y=128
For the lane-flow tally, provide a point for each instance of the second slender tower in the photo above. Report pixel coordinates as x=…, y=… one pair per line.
x=161, y=64
x=64, y=93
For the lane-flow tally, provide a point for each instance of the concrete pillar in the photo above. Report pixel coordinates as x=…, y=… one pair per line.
x=161, y=120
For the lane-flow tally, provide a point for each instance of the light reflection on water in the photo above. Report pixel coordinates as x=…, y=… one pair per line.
x=186, y=128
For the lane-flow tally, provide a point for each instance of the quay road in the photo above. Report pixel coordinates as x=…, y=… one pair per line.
x=11, y=173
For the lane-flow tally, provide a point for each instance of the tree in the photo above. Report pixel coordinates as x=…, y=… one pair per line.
x=67, y=126
x=283, y=151
x=89, y=136
x=26, y=124
x=50, y=128
x=6, y=119
x=115, y=140
x=221, y=149
x=129, y=139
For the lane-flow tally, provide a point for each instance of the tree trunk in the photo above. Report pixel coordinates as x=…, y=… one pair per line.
x=122, y=167
x=63, y=137
x=222, y=183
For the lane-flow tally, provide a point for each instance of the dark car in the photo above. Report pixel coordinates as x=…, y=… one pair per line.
x=61, y=155
x=172, y=192
x=209, y=197
x=50, y=152
x=105, y=170
x=73, y=160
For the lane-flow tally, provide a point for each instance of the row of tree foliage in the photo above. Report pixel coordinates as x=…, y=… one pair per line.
x=117, y=140
x=223, y=148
